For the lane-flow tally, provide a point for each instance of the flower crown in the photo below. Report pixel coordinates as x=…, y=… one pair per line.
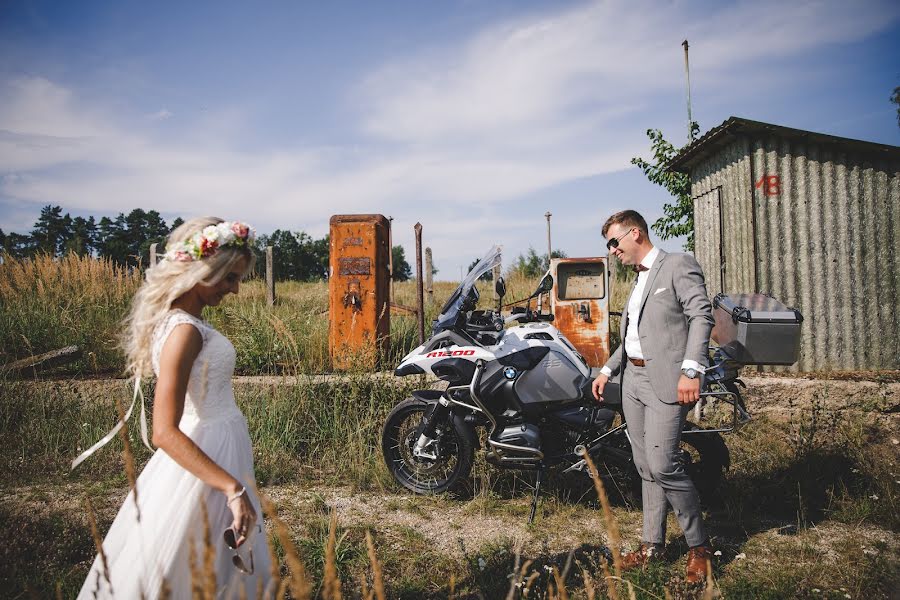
x=207, y=242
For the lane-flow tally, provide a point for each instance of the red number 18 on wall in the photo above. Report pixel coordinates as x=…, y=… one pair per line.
x=771, y=185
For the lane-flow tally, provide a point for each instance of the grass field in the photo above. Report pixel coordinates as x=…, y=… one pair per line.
x=809, y=508
x=46, y=304
x=811, y=492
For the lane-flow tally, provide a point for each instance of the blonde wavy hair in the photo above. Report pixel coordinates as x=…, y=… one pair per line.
x=167, y=281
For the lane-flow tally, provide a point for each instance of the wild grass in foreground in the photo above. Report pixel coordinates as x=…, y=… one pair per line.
x=790, y=481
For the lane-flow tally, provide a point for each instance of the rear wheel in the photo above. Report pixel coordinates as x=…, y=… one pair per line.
x=705, y=457
x=453, y=448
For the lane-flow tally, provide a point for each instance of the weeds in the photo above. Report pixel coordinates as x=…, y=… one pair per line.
x=821, y=469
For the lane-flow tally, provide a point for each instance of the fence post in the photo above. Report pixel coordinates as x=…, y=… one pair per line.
x=419, y=283
x=270, y=277
x=390, y=259
x=153, y=254
x=429, y=276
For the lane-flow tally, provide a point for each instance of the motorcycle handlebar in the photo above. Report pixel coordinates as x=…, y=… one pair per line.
x=528, y=318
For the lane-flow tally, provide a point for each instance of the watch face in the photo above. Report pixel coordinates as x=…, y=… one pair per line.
x=690, y=373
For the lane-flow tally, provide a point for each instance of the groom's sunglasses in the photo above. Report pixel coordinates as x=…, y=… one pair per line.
x=614, y=243
x=236, y=560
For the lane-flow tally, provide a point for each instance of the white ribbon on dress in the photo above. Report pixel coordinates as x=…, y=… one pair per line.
x=106, y=438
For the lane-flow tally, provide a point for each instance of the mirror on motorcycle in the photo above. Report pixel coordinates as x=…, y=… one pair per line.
x=546, y=283
x=500, y=287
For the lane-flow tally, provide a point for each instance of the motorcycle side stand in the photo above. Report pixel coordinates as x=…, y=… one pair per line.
x=537, y=492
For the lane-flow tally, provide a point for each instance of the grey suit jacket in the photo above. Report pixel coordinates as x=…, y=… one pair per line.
x=674, y=322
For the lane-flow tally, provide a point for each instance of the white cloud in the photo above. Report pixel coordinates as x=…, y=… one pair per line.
x=547, y=72
x=160, y=115
x=449, y=136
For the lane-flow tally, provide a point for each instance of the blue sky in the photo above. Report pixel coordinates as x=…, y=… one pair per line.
x=472, y=117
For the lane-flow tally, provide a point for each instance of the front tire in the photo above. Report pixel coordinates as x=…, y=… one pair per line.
x=454, y=449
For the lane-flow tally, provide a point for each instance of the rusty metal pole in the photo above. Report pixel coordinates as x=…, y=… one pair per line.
x=390, y=259
x=429, y=276
x=153, y=254
x=270, y=276
x=548, y=214
x=420, y=292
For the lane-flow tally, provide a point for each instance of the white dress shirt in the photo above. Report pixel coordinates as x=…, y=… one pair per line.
x=632, y=337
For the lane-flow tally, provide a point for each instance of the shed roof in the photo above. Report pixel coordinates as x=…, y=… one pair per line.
x=725, y=133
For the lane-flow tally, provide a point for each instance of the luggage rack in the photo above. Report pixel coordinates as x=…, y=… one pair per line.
x=724, y=373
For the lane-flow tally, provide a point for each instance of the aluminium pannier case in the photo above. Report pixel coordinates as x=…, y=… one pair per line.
x=756, y=329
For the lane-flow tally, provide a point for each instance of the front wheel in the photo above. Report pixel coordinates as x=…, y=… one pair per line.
x=453, y=448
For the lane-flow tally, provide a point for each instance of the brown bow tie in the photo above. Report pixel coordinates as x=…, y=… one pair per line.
x=638, y=268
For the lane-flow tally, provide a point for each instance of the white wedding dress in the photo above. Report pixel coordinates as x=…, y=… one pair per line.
x=154, y=553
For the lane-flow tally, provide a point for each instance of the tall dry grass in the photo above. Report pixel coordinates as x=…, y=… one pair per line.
x=48, y=303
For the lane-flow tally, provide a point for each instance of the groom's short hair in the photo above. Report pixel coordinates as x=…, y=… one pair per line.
x=629, y=218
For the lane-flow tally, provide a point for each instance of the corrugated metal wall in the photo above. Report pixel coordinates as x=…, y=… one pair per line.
x=729, y=171
x=827, y=243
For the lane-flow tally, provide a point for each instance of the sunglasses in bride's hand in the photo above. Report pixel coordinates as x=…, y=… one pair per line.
x=244, y=517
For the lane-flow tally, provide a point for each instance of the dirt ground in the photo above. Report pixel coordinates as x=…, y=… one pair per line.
x=460, y=530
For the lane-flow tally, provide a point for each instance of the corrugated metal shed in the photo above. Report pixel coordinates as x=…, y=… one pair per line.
x=811, y=219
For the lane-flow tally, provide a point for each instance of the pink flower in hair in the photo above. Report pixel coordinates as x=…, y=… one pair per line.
x=240, y=229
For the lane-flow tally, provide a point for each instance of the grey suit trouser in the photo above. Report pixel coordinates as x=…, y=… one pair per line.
x=654, y=429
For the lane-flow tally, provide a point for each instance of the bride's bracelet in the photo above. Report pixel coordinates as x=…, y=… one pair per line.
x=236, y=496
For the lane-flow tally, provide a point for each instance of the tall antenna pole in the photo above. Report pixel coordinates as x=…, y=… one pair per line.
x=687, y=73
x=548, y=214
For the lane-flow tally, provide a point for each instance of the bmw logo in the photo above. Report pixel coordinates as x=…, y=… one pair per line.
x=510, y=373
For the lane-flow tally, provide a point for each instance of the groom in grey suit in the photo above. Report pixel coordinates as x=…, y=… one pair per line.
x=665, y=331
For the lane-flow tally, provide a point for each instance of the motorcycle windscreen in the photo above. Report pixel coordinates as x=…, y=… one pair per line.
x=451, y=308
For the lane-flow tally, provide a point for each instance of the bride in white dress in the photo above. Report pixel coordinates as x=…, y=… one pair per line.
x=202, y=471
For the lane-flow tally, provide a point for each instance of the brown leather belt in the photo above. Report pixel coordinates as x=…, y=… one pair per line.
x=638, y=362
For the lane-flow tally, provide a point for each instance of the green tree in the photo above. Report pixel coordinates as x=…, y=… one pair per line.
x=679, y=215
x=15, y=244
x=143, y=229
x=296, y=255
x=402, y=270
x=112, y=239
x=532, y=264
x=895, y=98
x=51, y=230
x=83, y=237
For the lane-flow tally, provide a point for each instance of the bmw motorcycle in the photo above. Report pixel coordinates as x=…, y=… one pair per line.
x=528, y=389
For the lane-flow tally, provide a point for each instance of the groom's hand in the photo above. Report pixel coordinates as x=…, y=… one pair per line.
x=688, y=390
x=598, y=385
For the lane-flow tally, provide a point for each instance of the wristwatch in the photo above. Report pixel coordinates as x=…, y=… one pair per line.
x=690, y=373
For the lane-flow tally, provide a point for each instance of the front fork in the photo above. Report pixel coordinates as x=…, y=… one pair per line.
x=425, y=442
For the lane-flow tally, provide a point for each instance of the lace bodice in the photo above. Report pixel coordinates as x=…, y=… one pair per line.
x=210, y=396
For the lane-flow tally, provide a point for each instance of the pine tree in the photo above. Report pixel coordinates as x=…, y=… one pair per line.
x=51, y=231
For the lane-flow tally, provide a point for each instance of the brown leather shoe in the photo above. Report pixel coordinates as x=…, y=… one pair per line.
x=642, y=556
x=699, y=559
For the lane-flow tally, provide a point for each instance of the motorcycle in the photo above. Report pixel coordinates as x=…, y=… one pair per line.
x=529, y=389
